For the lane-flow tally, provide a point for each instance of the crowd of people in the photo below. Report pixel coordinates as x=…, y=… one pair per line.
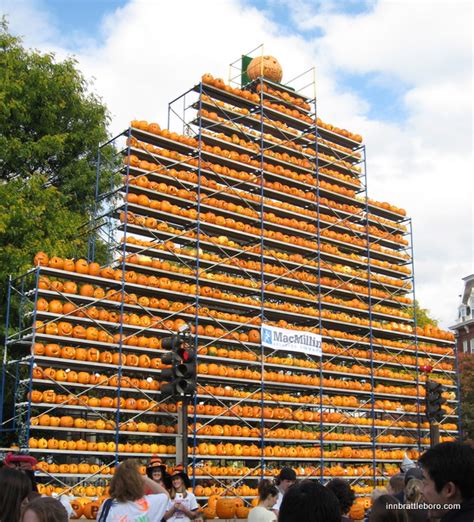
x=440, y=488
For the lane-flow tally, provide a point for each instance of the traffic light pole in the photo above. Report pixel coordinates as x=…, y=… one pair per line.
x=434, y=433
x=182, y=447
x=180, y=371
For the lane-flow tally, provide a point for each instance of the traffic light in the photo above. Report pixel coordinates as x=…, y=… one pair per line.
x=182, y=359
x=434, y=400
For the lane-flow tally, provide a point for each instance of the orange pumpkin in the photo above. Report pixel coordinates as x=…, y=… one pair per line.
x=90, y=510
x=41, y=258
x=81, y=266
x=225, y=508
x=242, y=512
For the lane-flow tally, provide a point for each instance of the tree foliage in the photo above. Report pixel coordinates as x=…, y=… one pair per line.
x=423, y=316
x=466, y=375
x=51, y=126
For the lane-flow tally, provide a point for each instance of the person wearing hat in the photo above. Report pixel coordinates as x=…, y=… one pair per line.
x=156, y=470
x=182, y=506
x=286, y=478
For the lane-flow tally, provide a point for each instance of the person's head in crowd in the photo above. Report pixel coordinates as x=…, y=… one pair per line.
x=309, y=501
x=267, y=493
x=33, y=495
x=157, y=471
x=396, y=484
x=377, y=492
x=127, y=483
x=179, y=481
x=413, y=473
x=45, y=509
x=344, y=493
x=382, y=511
x=15, y=486
x=285, y=479
x=414, y=491
x=448, y=476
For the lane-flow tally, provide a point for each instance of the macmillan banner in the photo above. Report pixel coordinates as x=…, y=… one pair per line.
x=291, y=340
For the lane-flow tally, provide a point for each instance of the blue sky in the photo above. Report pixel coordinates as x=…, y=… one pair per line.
x=79, y=21
x=397, y=72
x=83, y=17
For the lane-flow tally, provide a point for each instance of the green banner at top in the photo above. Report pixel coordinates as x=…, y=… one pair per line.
x=244, y=79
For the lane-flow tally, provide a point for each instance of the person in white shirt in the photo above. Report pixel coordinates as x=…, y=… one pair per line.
x=285, y=479
x=267, y=494
x=128, y=502
x=182, y=505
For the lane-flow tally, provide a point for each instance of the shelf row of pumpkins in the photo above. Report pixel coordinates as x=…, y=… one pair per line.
x=215, y=430
x=245, y=209
x=249, y=157
x=255, y=179
x=93, y=354
x=247, y=411
x=215, y=450
x=245, y=228
x=84, y=446
x=289, y=142
x=255, y=98
x=296, y=258
x=128, y=384
x=304, y=276
x=154, y=224
x=294, y=153
x=93, y=333
x=254, y=147
x=71, y=310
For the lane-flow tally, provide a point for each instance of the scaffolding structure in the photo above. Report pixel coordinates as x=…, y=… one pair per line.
x=251, y=211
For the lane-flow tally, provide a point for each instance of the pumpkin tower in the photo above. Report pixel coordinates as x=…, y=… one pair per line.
x=246, y=211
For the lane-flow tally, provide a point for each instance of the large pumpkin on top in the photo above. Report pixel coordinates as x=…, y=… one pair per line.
x=266, y=66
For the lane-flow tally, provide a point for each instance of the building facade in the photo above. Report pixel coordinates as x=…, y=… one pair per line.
x=464, y=327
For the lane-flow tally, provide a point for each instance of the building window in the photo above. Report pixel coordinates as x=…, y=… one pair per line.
x=464, y=346
x=472, y=345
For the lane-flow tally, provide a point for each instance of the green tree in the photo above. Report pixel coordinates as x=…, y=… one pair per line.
x=51, y=126
x=466, y=376
x=50, y=122
x=422, y=316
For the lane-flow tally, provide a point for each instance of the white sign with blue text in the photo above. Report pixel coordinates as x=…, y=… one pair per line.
x=291, y=340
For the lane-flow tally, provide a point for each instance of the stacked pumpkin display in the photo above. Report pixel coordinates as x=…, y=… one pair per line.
x=228, y=230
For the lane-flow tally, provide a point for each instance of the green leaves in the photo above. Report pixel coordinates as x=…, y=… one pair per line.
x=466, y=374
x=50, y=122
x=51, y=126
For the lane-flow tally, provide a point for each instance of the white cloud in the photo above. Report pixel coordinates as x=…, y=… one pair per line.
x=150, y=52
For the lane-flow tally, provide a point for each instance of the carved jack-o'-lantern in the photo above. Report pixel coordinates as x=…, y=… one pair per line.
x=266, y=66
